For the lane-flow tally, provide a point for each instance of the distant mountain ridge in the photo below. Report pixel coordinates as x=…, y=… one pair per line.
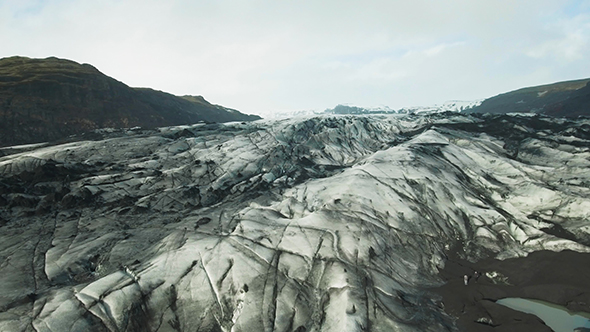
x=561, y=99
x=341, y=109
x=449, y=106
x=50, y=99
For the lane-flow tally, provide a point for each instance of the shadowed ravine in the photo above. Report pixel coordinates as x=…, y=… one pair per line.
x=320, y=224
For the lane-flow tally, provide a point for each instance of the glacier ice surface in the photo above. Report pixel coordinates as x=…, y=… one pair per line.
x=333, y=223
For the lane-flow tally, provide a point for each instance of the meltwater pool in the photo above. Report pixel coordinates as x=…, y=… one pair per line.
x=556, y=317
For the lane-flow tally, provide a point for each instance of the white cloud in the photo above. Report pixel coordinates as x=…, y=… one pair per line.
x=435, y=50
x=261, y=55
x=571, y=42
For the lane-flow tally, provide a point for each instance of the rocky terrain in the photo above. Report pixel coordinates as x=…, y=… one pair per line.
x=561, y=99
x=333, y=223
x=556, y=277
x=51, y=99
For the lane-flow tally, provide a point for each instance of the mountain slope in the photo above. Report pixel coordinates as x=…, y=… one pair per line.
x=577, y=103
x=555, y=99
x=49, y=99
x=334, y=223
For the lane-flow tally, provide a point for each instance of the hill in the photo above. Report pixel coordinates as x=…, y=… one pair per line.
x=577, y=104
x=50, y=99
x=563, y=99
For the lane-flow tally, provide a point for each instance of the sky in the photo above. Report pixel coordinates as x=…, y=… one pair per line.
x=268, y=56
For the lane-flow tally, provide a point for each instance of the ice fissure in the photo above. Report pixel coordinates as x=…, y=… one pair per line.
x=335, y=223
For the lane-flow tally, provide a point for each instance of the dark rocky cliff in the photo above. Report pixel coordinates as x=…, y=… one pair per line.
x=50, y=99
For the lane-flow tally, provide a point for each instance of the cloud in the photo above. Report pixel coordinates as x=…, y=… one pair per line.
x=571, y=42
x=262, y=55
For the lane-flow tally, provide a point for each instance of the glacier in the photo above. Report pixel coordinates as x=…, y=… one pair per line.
x=325, y=223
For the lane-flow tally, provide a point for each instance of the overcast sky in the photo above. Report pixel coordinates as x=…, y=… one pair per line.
x=262, y=56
